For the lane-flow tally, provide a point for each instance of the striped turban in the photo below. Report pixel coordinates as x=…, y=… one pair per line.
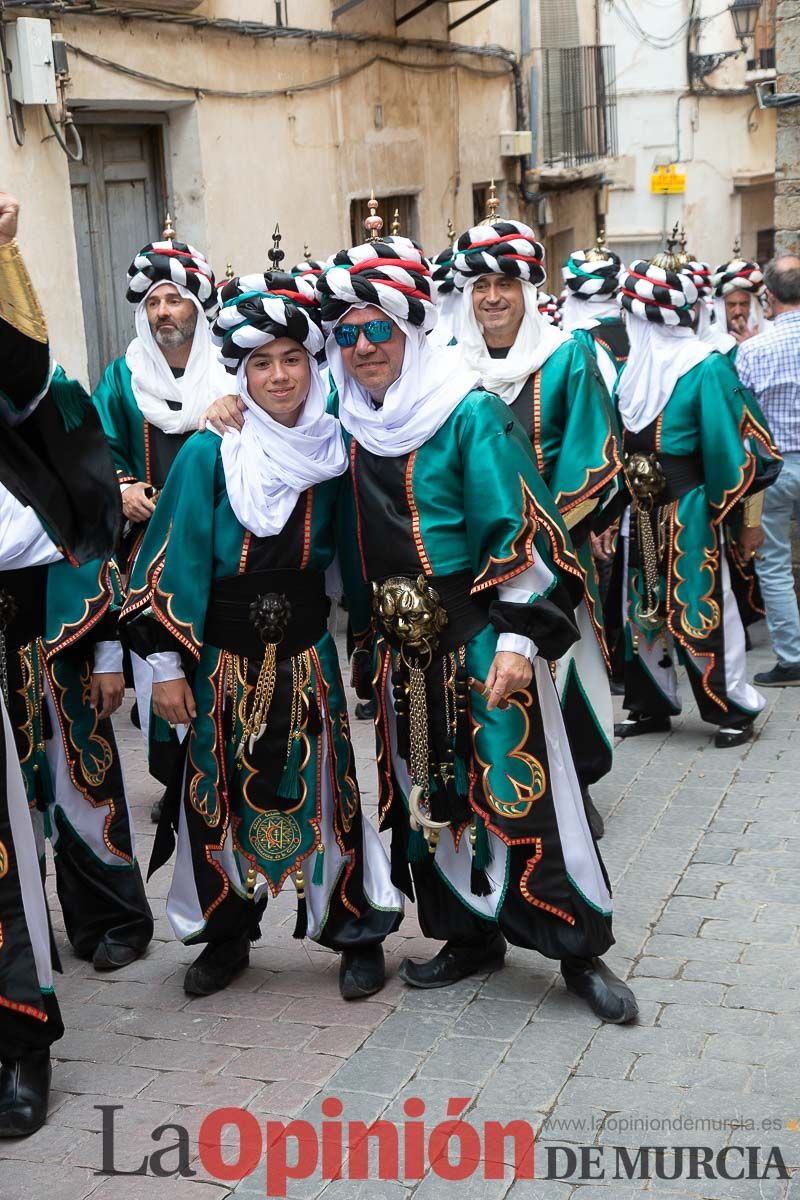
x=172, y=262
x=549, y=308
x=257, y=309
x=593, y=279
x=700, y=275
x=441, y=269
x=737, y=276
x=390, y=273
x=308, y=267
x=659, y=295
x=501, y=248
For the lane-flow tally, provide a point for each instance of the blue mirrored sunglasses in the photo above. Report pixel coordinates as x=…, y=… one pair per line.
x=374, y=331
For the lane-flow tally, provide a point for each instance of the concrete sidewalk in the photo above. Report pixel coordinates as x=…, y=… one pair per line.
x=701, y=846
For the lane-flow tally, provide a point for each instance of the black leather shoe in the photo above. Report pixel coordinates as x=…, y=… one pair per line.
x=596, y=822
x=726, y=737
x=605, y=993
x=781, y=675
x=453, y=963
x=366, y=710
x=216, y=966
x=361, y=972
x=24, y=1094
x=157, y=809
x=638, y=723
x=110, y=956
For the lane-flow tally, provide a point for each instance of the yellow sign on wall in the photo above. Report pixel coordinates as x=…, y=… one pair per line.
x=668, y=181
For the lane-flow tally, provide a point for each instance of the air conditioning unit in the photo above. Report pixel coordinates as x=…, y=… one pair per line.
x=516, y=143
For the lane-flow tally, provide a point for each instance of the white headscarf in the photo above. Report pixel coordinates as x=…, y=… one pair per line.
x=577, y=313
x=756, y=321
x=712, y=332
x=659, y=356
x=534, y=343
x=153, y=383
x=431, y=384
x=268, y=465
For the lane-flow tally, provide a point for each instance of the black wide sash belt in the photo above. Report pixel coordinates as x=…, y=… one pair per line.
x=683, y=473
x=228, y=623
x=23, y=605
x=467, y=614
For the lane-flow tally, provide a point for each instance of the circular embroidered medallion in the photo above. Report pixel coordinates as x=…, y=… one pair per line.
x=3, y=861
x=275, y=835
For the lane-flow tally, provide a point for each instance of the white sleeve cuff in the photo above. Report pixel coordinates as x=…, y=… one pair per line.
x=108, y=658
x=166, y=666
x=515, y=643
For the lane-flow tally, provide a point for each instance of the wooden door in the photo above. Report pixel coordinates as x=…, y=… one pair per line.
x=118, y=206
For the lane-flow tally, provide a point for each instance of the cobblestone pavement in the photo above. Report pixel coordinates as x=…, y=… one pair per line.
x=701, y=846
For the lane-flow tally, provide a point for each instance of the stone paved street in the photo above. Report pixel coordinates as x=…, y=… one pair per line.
x=701, y=846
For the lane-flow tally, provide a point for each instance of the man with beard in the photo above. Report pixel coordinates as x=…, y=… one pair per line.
x=738, y=313
x=150, y=402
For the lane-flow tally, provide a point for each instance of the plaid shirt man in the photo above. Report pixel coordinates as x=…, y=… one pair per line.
x=769, y=365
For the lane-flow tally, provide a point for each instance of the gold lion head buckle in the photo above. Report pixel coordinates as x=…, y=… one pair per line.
x=645, y=476
x=411, y=615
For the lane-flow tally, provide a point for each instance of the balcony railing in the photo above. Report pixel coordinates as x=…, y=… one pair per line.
x=579, y=105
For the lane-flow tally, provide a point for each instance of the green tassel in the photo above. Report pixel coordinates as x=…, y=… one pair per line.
x=482, y=851
x=318, y=876
x=417, y=847
x=289, y=786
x=70, y=400
x=462, y=778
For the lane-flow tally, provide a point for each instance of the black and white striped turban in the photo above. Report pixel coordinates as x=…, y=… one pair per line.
x=700, y=275
x=658, y=295
x=308, y=266
x=593, y=279
x=390, y=273
x=549, y=307
x=257, y=309
x=172, y=262
x=738, y=275
x=502, y=248
x=441, y=269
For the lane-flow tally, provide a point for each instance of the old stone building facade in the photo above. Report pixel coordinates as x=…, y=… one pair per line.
x=237, y=114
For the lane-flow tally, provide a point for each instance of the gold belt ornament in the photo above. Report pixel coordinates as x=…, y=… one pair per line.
x=411, y=614
x=646, y=482
x=645, y=476
x=270, y=614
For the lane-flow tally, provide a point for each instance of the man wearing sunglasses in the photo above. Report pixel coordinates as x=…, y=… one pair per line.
x=475, y=585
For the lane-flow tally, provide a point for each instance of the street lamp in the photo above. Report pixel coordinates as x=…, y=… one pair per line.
x=744, y=14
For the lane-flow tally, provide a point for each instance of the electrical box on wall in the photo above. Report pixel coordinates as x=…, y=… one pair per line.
x=30, y=54
x=516, y=143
